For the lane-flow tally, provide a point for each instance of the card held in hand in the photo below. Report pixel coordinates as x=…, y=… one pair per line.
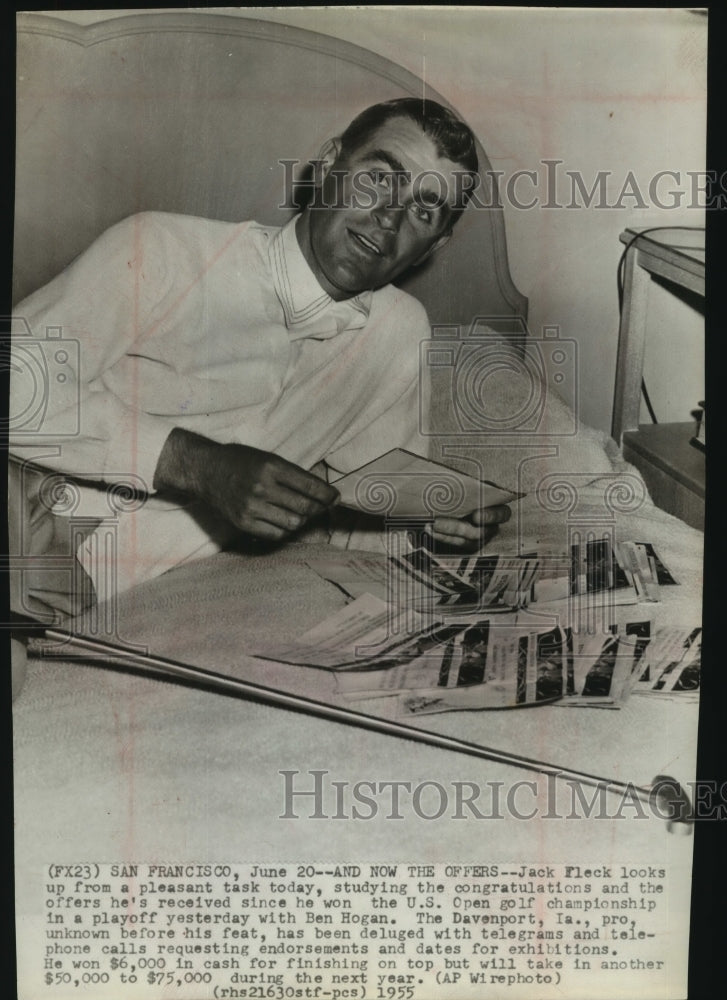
x=401, y=484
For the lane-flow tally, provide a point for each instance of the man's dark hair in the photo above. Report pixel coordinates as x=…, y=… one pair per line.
x=453, y=139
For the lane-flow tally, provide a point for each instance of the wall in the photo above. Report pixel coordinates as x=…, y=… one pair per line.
x=600, y=90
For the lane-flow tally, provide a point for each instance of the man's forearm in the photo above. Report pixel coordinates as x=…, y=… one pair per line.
x=258, y=492
x=186, y=462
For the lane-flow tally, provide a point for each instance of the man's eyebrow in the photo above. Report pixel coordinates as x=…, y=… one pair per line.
x=386, y=157
x=431, y=199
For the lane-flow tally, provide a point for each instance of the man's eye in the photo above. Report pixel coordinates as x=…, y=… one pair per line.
x=421, y=212
x=381, y=178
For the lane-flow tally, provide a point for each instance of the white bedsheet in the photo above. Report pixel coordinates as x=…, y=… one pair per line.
x=117, y=766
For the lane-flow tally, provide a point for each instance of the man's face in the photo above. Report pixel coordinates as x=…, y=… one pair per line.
x=384, y=207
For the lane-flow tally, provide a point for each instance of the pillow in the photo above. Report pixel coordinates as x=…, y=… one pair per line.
x=495, y=412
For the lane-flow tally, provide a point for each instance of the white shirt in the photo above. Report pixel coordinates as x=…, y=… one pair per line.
x=220, y=328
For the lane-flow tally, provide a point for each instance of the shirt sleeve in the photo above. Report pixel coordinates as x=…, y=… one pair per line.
x=65, y=337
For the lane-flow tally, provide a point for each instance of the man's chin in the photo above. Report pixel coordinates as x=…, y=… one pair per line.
x=345, y=284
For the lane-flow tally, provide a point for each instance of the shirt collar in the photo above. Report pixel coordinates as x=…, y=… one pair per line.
x=308, y=310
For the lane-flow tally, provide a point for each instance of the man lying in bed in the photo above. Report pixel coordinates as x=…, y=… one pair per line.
x=220, y=362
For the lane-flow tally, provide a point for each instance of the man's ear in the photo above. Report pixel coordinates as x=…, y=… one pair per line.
x=437, y=245
x=328, y=155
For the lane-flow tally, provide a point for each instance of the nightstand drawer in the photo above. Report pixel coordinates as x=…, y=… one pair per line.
x=673, y=469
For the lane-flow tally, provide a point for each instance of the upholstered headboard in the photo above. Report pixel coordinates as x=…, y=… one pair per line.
x=191, y=113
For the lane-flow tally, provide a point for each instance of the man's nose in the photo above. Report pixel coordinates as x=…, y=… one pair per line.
x=388, y=215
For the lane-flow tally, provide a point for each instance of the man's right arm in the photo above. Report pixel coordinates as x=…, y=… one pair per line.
x=66, y=337
x=259, y=493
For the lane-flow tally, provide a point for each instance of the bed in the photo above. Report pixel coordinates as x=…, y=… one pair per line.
x=112, y=120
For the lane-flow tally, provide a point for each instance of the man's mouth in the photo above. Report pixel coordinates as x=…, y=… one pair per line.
x=367, y=243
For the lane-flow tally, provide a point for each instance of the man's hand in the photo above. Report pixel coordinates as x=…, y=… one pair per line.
x=471, y=532
x=259, y=493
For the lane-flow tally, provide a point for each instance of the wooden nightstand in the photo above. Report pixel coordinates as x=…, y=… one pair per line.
x=674, y=470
